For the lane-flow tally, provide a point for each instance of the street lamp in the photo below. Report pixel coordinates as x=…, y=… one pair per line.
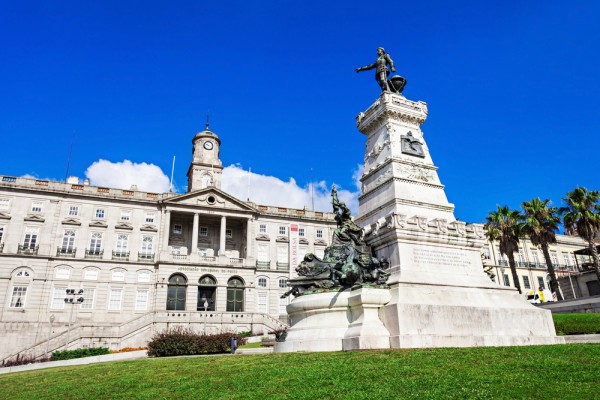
x=72, y=301
x=52, y=318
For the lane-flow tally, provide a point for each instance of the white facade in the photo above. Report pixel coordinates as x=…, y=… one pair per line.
x=144, y=260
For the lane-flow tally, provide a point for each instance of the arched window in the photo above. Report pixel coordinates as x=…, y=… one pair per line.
x=176, y=292
x=235, y=295
x=207, y=293
x=262, y=282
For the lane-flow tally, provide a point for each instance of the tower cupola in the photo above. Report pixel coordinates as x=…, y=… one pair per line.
x=206, y=167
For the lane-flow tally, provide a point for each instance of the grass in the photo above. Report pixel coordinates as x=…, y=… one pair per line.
x=576, y=324
x=550, y=372
x=250, y=346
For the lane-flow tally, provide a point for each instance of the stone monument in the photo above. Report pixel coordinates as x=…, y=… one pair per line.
x=413, y=275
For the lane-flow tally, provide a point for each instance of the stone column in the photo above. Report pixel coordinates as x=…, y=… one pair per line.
x=222, y=237
x=166, y=231
x=249, y=253
x=194, y=248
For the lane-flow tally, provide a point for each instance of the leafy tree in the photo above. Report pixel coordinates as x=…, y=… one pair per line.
x=504, y=225
x=540, y=224
x=581, y=215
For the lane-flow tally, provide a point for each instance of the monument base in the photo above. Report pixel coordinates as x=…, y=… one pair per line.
x=335, y=321
x=450, y=316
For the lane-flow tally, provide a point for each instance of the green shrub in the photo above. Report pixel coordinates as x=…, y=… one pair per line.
x=79, y=353
x=576, y=324
x=180, y=341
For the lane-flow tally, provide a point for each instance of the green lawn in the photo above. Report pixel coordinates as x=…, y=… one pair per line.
x=576, y=323
x=535, y=372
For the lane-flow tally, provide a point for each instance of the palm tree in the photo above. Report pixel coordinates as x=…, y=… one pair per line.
x=540, y=224
x=582, y=215
x=504, y=226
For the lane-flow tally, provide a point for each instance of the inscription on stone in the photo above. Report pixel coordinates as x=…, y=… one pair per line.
x=209, y=270
x=454, y=259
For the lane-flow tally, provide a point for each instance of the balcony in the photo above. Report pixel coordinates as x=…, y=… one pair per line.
x=28, y=249
x=66, y=252
x=283, y=266
x=236, y=261
x=120, y=255
x=93, y=253
x=179, y=256
x=503, y=263
x=146, y=257
x=263, y=264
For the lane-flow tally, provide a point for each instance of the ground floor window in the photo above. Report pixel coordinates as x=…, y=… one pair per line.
x=235, y=295
x=207, y=294
x=176, y=293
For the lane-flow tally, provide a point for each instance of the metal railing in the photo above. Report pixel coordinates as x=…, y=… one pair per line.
x=27, y=249
x=282, y=265
x=263, y=264
x=66, y=251
x=146, y=257
x=92, y=253
x=120, y=255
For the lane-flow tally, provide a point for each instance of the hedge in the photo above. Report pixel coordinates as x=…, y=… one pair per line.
x=180, y=341
x=79, y=353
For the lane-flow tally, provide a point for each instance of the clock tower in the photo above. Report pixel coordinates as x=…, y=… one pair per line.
x=206, y=168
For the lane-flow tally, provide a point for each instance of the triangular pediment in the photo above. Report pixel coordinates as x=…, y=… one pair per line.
x=123, y=225
x=210, y=197
x=148, y=228
x=71, y=221
x=98, y=224
x=4, y=215
x=34, y=218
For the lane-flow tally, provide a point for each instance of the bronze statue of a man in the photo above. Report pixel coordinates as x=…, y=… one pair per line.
x=382, y=71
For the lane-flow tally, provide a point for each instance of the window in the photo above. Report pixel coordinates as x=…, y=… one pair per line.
x=263, y=253
x=235, y=295
x=100, y=213
x=319, y=233
x=144, y=276
x=176, y=293
x=176, y=250
x=62, y=273
x=283, y=305
x=36, y=206
x=282, y=255
x=121, y=246
x=302, y=250
x=534, y=257
x=30, y=240
x=541, y=282
x=1, y=233
x=262, y=282
x=526, y=284
x=126, y=216
x=114, y=300
x=521, y=256
x=262, y=305
x=90, y=274
x=506, y=280
x=301, y=232
x=4, y=204
x=207, y=288
x=203, y=231
x=320, y=252
x=567, y=259
x=23, y=274
x=228, y=233
x=58, y=298
x=149, y=218
x=177, y=229
x=141, y=300
x=96, y=243
x=88, y=299
x=282, y=230
x=262, y=228
x=282, y=283
x=554, y=258
x=17, y=300
x=68, y=242
x=73, y=211
x=147, y=246
x=118, y=275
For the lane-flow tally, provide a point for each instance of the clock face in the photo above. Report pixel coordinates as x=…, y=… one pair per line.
x=208, y=145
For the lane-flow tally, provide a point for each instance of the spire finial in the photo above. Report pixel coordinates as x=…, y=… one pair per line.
x=207, y=119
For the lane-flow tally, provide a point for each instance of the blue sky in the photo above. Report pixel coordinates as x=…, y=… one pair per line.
x=512, y=89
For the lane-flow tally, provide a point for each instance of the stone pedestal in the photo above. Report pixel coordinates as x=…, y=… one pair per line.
x=366, y=331
x=440, y=294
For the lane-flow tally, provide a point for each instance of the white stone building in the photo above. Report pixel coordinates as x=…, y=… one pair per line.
x=144, y=260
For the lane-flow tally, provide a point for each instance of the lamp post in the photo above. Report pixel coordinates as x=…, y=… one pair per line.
x=52, y=318
x=72, y=301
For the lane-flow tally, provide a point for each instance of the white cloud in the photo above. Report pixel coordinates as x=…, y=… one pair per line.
x=122, y=175
x=270, y=190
